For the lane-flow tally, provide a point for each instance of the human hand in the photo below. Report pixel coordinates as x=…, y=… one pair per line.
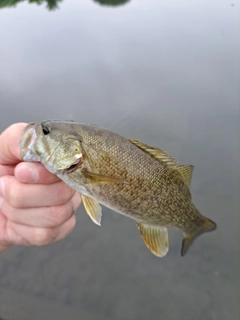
x=36, y=208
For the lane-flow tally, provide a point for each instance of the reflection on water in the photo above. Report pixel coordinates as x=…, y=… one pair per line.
x=53, y=4
x=111, y=2
x=164, y=73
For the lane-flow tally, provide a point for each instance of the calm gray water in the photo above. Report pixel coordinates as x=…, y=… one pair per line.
x=165, y=73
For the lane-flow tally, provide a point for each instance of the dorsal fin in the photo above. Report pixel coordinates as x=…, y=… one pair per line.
x=164, y=158
x=186, y=172
x=160, y=155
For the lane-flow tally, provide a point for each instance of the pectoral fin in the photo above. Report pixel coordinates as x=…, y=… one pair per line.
x=155, y=238
x=93, y=209
x=95, y=178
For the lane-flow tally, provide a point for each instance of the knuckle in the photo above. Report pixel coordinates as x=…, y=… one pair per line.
x=64, y=192
x=76, y=201
x=10, y=213
x=57, y=215
x=72, y=223
x=14, y=195
x=69, y=228
x=43, y=236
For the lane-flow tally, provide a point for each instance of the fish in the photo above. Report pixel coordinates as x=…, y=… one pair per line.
x=132, y=178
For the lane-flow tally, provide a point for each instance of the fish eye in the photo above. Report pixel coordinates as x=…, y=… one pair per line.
x=45, y=130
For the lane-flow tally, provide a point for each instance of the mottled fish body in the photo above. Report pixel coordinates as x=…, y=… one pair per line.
x=130, y=177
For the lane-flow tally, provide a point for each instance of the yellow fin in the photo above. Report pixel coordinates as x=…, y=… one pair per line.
x=164, y=158
x=186, y=172
x=158, y=154
x=95, y=178
x=93, y=209
x=155, y=238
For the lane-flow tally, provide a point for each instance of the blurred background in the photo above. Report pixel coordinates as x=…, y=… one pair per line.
x=162, y=72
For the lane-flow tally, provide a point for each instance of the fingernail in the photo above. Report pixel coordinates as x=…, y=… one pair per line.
x=26, y=173
x=1, y=191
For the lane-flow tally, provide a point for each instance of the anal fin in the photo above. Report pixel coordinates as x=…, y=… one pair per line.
x=155, y=238
x=93, y=209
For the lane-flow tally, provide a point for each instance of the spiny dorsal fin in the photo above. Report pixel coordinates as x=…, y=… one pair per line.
x=155, y=238
x=93, y=209
x=158, y=154
x=186, y=172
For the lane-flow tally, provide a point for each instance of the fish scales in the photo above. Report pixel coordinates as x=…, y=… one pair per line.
x=122, y=160
x=138, y=181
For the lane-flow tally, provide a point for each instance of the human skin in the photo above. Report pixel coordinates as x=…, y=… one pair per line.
x=36, y=208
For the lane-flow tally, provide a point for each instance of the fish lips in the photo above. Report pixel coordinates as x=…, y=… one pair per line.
x=28, y=139
x=73, y=167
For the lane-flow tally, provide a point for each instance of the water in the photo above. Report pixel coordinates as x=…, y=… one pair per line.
x=165, y=73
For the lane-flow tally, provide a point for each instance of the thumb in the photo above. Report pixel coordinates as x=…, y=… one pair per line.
x=9, y=144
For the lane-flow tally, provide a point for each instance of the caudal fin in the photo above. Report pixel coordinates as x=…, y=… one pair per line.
x=188, y=239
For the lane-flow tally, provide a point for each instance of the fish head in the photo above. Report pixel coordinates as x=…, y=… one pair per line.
x=53, y=144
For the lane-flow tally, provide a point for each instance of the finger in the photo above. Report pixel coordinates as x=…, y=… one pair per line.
x=9, y=144
x=22, y=195
x=6, y=170
x=29, y=172
x=26, y=235
x=43, y=217
x=3, y=222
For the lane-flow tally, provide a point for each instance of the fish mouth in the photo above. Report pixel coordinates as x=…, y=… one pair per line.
x=33, y=149
x=73, y=167
x=28, y=139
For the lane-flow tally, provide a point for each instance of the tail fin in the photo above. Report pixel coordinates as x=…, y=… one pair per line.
x=188, y=239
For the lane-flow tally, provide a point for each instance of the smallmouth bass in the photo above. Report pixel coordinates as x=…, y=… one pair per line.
x=125, y=175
